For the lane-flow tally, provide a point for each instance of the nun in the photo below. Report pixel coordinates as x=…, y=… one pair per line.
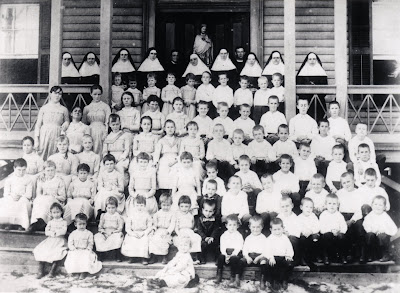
x=197, y=67
x=252, y=70
x=90, y=69
x=151, y=64
x=312, y=73
x=274, y=64
x=123, y=64
x=224, y=64
x=69, y=72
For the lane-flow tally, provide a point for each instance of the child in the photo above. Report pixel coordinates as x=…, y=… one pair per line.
x=117, y=89
x=317, y=193
x=212, y=173
x=272, y=119
x=189, y=96
x=54, y=247
x=268, y=201
x=81, y=193
x=349, y=196
x=302, y=127
x=76, y=131
x=166, y=156
x=158, y=118
x=117, y=144
x=145, y=141
x=142, y=182
x=364, y=162
x=261, y=99
x=179, y=117
x=109, y=238
x=110, y=183
x=15, y=206
x=138, y=225
x=284, y=145
x=136, y=93
x=89, y=157
x=238, y=147
x=129, y=115
x=210, y=194
x=205, y=93
x=33, y=160
x=224, y=120
x=338, y=127
x=223, y=92
x=361, y=137
x=151, y=89
x=336, y=168
x=287, y=181
x=261, y=151
x=81, y=258
x=321, y=147
x=231, y=244
x=379, y=227
x=186, y=183
x=371, y=189
x=243, y=95
x=279, y=251
x=220, y=151
x=333, y=229
x=304, y=167
x=204, y=122
x=245, y=123
x=169, y=93
x=278, y=90
x=208, y=227
x=163, y=225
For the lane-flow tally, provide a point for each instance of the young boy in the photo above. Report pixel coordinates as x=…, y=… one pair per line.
x=272, y=120
x=363, y=163
x=261, y=99
x=212, y=173
x=223, y=92
x=245, y=123
x=208, y=227
x=321, y=147
x=223, y=119
x=137, y=94
x=302, y=127
x=304, y=167
x=333, y=229
x=204, y=122
x=238, y=147
x=336, y=168
x=262, y=153
x=284, y=145
x=317, y=193
x=371, y=189
x=243, y=95
x=338, y=127
x=361, y=137
x=278, y=90
x=210, y=194
x=15, y=206
x=231, y=244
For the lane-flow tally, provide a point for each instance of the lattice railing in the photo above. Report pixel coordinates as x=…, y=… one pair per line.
x=315, y=94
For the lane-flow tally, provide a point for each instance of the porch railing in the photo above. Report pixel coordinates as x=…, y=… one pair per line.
x=316, y=92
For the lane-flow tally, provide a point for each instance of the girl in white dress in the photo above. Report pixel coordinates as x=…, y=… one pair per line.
x=89, y=157
x=144, y=142
x=129, y=115
x=179, y=117
x=151, y=89
x=154, y=113
x=34, y=161
x=189, y=96
x=76, y=130
x=169, y=93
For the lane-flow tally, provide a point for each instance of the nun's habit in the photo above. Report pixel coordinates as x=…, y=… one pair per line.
x=274, y=64
x=223, y=64
x=151, y=64
x=69, y=72
x=90, y=69
x=197, y=67
x=123, y=64
x=252, y=70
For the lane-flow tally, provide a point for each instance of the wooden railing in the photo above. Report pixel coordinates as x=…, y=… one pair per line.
x=316, y=91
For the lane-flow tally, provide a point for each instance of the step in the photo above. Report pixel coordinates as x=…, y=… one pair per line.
x=20, y=239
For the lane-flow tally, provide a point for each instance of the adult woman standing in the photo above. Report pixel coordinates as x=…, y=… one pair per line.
x=203, y=46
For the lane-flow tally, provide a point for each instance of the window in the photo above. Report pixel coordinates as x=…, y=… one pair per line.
x=19, y=31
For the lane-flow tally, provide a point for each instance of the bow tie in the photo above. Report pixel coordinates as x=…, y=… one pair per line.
x=212, y=219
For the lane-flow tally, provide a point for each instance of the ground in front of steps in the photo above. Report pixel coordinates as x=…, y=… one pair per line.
x=117, y=283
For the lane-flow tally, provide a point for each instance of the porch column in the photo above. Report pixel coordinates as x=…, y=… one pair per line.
x=56, y=42
x=340, y=20
x=152, y=23
x=256, y=29
x=289, y=26
x=106, y=15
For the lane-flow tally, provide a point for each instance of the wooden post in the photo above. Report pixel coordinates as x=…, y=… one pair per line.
x=152, y=23
x=56, y=42
x=256, y=29
x=340, y=20
x=290, y=57
x=106, y=15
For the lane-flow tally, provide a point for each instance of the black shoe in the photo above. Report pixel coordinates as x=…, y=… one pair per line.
x=83, y=276
x=385, y=258
x=326, y=260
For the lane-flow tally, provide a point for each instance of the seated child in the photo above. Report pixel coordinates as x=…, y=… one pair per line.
x=151, y=89
x=245, y=123
x=129, y=115
x=304, y=167
x=231, y=244
x=210, y=194
x=163, y=225
x=33, y=160
x=15, y=206
x=261, y=153
x=317, y=193
x=336, y=168
x=223, y=92
x=179, y=117
x=271, y=120
x=243, y=95
x=189, y=96
x=364, y=162
x=284, y=145
x=261, y=99
x=370, y=189
x=157, y=118
x=138, y=226
x=204, y=122
x=333, y=228
x=145, y=141
x=278, y=90
x=361, y=137
x=109, y=238
x=205, y=93
x=54, y=247
x=208, y=227
x=238, y=147
x=302, y=127
x=80, y=258
x=169, y=93
x=224, y=120
x=349, y=196
x=212, y=172
x=338, y=127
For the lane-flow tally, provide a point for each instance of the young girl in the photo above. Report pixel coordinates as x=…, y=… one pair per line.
x=66, y=162
x=186, y=183
x=117, y=90
x=129, y=115
x=205, y=92
x=189, y=96
x=109, y=238
x=166, y=156
x=76, y=130
x=137, y=94
x=117, y=143
x=145, y=141
x=154, y=113
x=52, y=119
x=96, y=115
x=138, y=226
x=179, y=117
x=164, y=225
x=33, y=160
x=81, y=258
x=142, y=182
x=151, y=89
x=168, y=93
x=54, y=247
x=195, y=146
x=89, y=157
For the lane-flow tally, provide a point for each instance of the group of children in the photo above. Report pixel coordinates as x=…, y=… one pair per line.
x=219, y=184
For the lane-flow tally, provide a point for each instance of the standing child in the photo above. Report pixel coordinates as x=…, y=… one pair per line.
x=129, y=115
x=361, y=137
x=151, y=89
x=364, y=162
x=158, y=118
x=33, y=160
x=336, y=168
x=278, y=90
x=338, y=127
x=76, y=131
x=137, y=94
x=261, y=99
x=245, y=123
x=238, y=147
x=179, y=117
x=138, y=226
x=81, y=259
x=261, y=152
x=271, y=120
x=223, y=92
x=144, y=142
x=109, y=238
x=205, y=93
x=243, y=95
x=210, y=194
x=284, y=145
x=321, y=147
x=54, y=247
x=89, y=157
x=302, y=127
x=117, y=89
x=189, y=96
x=204, y=122
x=304, y=167
x=317, y=193
x=169, y=93
x=224, y=120
x=212, y=174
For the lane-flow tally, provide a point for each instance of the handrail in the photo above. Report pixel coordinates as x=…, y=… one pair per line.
x=43, y=88
x=319, y=89
x=373, y=89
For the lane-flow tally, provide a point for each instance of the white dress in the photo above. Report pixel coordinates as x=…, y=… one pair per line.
x=75, y=133
x=113, y=181
x=79, y=193
x=112, y=237
x=164, y=223
x=132, y=246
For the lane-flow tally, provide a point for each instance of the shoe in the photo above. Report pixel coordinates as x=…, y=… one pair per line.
x=319, y=259
x=145, y=262
x=284, y=285
x=326, y=260
x=83, y=276
x=40, y=273
x=119, y=259
x=21, y=229
x=362, y=255
x=152, y=259
x=385, y=258
x=303, y=262
x=343, y=260
x=131, y=260
x=219, y=276
x=164, y=260
x=202, y=261
x=8, y=227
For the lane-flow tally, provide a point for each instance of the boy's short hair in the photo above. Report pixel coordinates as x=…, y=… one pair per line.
x=192, y=123
x=20, y=163
x=209, y=74
x=132, y=77
x=143, y=156
x=245, y=158
x=345, y=174
x=190, y=76
x=165, y=198
x=238, y=131
x=332, y=195
x=334, y=103
x=361, y=124
x=262, y=78
x=286, y=198
x=153, y=98
x=112, y=200
x=318, y=176
x=306, y=199
x=222, y=104
x=256, y=219
x=152, y=75
x=140, y=199
x=338, y=147
x=210, y=203
x=283, y=126
x=244, y=77
x=245, y=106
x=363, y=146
x=286, y=157
x=380, y=197
x=221, y=74
x=301, y=98
x=108, y=157
x=28, y=138
x=370, y=172
x=186, y=156
x=81, y=217
x=258, y=128
x=49, y=164
x=304, y=144
x=202, y=103
x=278, y=75
x=273, y=97
x=276, y=221
x=184, y=199
x=232, y=218
x=172, y=73
x=83, y=167
x=177, y=99
x=267, y=175
x=323, y=121
x=218, y=125
x=213, y=182
x=234, y=177
x=212, y=165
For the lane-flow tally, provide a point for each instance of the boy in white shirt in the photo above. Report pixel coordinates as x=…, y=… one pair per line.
x=371, y=189
x=317, y=193
x=304, y=167
x=261, y=99
x=223, y=92
x=243, y=95
x=302, y=127
x=363, y=163
x=238, y=147
x=361, y=137
x=204, y=122
x=205, y=92
x=278, y=90
x=338, y=127
x=272, y=119
x=223, y=119
x=261, y=152
x=284, y=145
x=212, y=173
x=245, y=123
x=336, y=168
